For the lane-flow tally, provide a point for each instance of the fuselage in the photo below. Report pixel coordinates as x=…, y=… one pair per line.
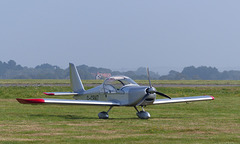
x=116, y=89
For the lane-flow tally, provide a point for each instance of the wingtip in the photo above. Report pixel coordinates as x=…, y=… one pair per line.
x=22, y=101
x=212, y=97
x=30, y=101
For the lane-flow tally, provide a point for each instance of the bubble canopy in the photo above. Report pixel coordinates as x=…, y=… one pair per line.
x=118, y=82
x=121, y=79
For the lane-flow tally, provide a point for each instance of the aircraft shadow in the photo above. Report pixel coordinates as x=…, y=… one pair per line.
x=75, y=117
x=63, y=116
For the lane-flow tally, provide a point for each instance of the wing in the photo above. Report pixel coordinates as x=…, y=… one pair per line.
x=183, y=99
x=67, y=102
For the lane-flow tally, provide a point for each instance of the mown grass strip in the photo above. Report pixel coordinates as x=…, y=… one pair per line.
x=144, y=82
x=215, y=121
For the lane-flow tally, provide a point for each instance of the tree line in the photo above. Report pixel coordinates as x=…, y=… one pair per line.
x=10, y=70
x=201, y=73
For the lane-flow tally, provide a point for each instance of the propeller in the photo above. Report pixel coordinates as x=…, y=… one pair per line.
x=151, y=89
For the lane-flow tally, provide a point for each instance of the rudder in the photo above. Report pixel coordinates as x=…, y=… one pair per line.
x=76, y=83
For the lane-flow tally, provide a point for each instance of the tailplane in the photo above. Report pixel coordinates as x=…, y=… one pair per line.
x=75, y=79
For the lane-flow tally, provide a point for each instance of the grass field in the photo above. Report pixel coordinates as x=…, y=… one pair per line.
x=215, y=121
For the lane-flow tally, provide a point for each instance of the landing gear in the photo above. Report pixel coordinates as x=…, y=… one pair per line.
x=142, y=114
x=104, y=115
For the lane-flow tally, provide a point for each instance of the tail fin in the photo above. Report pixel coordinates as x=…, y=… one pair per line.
x=75, y=79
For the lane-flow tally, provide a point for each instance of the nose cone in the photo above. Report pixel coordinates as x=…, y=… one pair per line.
x=150, y=96
x=151, y=90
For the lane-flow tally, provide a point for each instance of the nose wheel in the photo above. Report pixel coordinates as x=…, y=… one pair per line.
x=142, y=114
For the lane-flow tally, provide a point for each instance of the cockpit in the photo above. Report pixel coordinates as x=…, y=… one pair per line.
x=116, y=84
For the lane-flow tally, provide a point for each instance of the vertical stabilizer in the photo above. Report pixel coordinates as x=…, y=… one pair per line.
x=75, y=79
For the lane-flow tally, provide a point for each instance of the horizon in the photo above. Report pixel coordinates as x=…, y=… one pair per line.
x=131, y=69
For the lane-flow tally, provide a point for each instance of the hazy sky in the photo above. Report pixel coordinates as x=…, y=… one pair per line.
x=121, y=34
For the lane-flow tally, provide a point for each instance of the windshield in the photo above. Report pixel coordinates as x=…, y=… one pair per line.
x=116, y=83
x=121, y=79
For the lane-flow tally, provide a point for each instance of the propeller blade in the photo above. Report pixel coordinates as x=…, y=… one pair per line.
x=162, y=94
x=148, y=75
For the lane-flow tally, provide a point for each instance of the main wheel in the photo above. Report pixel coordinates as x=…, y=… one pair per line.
x=143, y=115
x=103, y=115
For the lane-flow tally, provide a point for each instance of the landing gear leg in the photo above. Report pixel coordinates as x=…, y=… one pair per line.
x=109, y=109
x=104, y=115
x=142, y=114
x=136, y=109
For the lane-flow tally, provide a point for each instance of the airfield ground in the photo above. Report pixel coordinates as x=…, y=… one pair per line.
x=216, y=121
x=91, y=83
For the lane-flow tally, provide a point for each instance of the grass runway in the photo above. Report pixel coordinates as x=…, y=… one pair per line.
x=216, y=121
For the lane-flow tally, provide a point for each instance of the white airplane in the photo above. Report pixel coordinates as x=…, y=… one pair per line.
x=115, y=91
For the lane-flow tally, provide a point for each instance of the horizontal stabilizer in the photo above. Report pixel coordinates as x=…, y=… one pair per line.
x=183, y=99
x=67, y=102
x=60, y=93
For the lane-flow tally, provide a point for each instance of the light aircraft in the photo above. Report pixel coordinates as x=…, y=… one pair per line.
x=115, y=91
